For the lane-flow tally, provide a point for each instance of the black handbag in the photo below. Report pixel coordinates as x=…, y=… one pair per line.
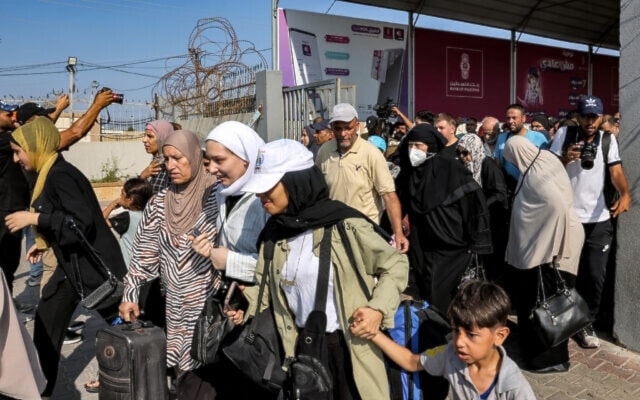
x=213, y=326
x=309, y=376
x=558, y=317
x=254, y=348
x=474, y=270
x=120, y=222
x=105, y=295
x=109, y=293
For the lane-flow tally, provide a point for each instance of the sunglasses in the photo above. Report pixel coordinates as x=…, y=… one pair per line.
x=463, y=153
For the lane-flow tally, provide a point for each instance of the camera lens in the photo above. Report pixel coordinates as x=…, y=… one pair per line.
x=118, y=98
x=586, y=163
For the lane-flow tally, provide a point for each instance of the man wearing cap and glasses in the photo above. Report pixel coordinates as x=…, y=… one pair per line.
x=357, y=173
x=582, y=151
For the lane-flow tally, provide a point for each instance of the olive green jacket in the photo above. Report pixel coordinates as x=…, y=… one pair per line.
x=374, y=258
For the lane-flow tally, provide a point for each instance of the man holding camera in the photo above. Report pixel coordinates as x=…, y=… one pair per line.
x=593, y=163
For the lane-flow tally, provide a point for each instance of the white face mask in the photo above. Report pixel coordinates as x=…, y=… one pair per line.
x=418, y=157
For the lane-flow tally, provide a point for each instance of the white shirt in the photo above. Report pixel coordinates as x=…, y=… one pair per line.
x=301, y=273
x=588, y=199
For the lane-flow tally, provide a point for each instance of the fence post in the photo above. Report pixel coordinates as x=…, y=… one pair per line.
x=269, y=94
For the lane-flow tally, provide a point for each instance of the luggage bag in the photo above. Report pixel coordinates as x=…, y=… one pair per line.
x=132, y=361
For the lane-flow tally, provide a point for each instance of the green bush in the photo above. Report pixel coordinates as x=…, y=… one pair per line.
x=110, y=172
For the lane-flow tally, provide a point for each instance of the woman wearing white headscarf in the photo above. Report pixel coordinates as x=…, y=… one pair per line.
x=544, y=227
x=232, y=151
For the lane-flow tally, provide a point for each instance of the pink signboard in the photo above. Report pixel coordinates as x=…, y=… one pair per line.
x=462, y=75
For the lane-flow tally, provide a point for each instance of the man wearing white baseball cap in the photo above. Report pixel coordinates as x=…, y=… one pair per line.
x=292, y=189
x=357, y=173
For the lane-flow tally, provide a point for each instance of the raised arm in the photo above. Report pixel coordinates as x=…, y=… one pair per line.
x=83, y=125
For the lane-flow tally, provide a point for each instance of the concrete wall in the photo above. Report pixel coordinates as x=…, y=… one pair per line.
x=90, y=158
x=269, y=95
x=627, y=288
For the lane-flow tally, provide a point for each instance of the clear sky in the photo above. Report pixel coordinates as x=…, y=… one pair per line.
x=128, y=44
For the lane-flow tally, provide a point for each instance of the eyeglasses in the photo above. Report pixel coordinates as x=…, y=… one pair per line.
x=463, y=153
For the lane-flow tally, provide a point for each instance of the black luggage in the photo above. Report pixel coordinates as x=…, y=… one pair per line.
x=132, y=359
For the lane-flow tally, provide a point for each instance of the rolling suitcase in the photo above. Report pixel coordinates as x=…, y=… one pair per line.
x=132, y=360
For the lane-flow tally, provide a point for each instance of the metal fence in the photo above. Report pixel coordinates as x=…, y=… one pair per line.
x=304, y=103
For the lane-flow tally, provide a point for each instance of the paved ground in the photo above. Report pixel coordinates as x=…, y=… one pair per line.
x=609, y=372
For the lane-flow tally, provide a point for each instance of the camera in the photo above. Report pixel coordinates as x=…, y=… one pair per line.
x=588, y=152
x=380, y=124
x=117, y=97
x=383, y=111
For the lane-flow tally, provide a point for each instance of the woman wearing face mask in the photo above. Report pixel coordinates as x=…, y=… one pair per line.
x=487, y=173
x=447, y=213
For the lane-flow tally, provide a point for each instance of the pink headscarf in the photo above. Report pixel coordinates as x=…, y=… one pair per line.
x=162, y=129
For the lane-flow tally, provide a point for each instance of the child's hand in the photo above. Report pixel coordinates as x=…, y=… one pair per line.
x=365, y=322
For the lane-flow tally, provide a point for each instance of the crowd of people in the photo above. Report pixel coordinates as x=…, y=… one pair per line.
x=406, y=213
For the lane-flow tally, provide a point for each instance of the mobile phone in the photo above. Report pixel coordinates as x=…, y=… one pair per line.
x=235, y=300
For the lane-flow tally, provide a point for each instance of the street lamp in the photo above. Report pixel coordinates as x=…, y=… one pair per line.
x=71, y=68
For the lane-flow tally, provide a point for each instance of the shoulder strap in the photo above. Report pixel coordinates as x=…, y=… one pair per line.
x=606, y=143
x=322, y=285
x=267, y=253
x=347, y=248
x=525, y=174
x=91, y=251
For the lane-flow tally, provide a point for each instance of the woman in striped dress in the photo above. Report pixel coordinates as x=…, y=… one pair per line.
x=162, y=248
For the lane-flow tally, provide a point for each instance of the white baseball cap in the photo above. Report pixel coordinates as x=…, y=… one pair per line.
x=343, y=112
x=274, y=160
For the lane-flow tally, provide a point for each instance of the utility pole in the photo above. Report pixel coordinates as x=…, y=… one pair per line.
x=71, y=67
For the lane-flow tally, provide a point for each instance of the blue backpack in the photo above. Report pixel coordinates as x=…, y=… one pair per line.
x=418, y=327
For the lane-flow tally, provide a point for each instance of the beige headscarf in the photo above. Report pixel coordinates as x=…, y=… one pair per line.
x=40, y=140
x=184, y=202
x=544, y=223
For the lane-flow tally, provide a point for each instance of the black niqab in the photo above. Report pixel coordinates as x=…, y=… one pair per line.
x=439, y=181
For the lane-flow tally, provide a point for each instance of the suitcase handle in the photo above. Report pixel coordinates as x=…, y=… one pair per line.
x=132, y=326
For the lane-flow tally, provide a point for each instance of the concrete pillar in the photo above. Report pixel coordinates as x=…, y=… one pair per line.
x=269, y=93
x=627, y=288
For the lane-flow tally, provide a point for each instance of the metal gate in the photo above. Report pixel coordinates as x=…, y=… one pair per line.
x=304, y=103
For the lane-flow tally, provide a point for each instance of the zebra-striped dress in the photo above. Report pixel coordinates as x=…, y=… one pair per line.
x=187, y=277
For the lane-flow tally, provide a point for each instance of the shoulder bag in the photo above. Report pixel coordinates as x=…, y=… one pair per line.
x=108, y=293
x=309, y=376
x=213, y=325
x=254, y=348
x=558, y=317
x=474, y=270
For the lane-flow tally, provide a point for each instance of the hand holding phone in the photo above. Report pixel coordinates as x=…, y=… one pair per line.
x=234, y=299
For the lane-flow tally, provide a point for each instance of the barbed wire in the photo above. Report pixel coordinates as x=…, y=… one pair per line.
x=214, y=70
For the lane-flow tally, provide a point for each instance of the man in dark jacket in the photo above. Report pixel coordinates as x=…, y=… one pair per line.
x=14, y=196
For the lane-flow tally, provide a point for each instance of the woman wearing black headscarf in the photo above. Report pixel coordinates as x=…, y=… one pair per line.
x=447, y=213
x=294, y=192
